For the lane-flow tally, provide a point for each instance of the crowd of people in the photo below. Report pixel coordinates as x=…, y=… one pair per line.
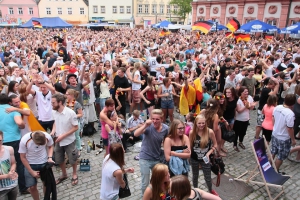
x=55, y=82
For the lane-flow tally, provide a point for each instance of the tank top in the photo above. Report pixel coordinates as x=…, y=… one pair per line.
x=104, y=133
x=104, y=90
x=197, y=152
x=150, y=94
x=196, y=197
x=167, y=90
x=6, y=184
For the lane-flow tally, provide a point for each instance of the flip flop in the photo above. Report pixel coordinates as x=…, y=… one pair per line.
x=74, y=181
x=136, y=157
x=60, y=180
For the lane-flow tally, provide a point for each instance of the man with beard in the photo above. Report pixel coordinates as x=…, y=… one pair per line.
x=65, y=125
x=154, y=133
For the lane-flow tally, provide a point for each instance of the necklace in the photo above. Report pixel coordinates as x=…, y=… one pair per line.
x=71, y=105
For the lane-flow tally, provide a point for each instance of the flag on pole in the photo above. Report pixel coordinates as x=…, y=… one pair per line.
x=198, y=35
x=229, y=35
x=269, y=37
x=203, y=26
x=36, y=24
x=164, y=32
x=242, y=37
x=233, y=25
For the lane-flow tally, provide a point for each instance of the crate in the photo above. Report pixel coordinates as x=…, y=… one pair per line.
x=85, y=168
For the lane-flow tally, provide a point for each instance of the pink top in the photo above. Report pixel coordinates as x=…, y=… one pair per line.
x=268, y=121
x=104, y=133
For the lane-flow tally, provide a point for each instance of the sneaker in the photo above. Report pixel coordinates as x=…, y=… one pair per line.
x=82, y=143
x=214, y=193
x=136, y=157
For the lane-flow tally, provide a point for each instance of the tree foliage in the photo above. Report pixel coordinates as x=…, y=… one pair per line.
x=184, y=7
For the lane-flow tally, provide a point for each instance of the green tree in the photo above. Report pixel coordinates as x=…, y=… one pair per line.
x=184, y=8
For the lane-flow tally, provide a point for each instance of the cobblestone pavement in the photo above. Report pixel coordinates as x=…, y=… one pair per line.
x=88, y=187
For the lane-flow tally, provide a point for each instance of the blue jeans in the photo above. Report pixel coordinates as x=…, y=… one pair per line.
x=145, y=168
x=102, y=102
x=20, y=166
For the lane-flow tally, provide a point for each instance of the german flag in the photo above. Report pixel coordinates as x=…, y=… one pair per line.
x=164, y=32
x=203, y=26
x=268, y=37
x=36, y=24
x=198, y=35
x=229, y=35
x=233, y=25
x=242, y=37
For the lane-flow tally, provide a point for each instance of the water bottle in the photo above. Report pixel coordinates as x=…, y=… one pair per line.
x=88, y=149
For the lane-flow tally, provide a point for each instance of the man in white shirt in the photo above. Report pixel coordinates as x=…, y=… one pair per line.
x=64, y=127
x=283, y=132
x=153, y=64
x=36, y=149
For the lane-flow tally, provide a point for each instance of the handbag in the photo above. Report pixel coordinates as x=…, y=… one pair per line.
x=227, y=135
x=124, y=192
x=217, y=166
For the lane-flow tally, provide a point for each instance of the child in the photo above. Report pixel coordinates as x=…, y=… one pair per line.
x=114, y=133
x=190, y=118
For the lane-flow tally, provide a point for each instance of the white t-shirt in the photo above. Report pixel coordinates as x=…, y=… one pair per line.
x=284, y=117
x=44, y=106
x=239, y=77
x=269, y=71
x=152, y=63
x=109, y=184
x=65, y=121
x=136, y=86
x=245, y=115
x=35, y=154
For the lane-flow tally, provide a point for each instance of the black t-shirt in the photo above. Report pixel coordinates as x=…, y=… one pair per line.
x=263, y=97
x=59, y=88
x=230, y=109
x=121, y=83
x=50, y=63
x=7, y=54
x=144, y=77
x=223, y=73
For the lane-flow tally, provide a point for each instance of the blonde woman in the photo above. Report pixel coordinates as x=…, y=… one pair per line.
x=203, y=143
x=136, y=86
x=158, y=189
x=150, y=94
x=71, y=103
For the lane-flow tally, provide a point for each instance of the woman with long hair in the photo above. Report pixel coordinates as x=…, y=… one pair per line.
x=222, y=106
x=77, y=108
x=177, y=141
x=180, y=188
x=29, y=98
x=244, y=105
x=150, y=91
x=3, y=85
x=13, y=88
x=3, y=74
x=166, y=92
x=267, y=111
x=158, y=189
x=203, y=143
x=112, y=173
x=231, y=100
x=259, y=76
x=136, y=86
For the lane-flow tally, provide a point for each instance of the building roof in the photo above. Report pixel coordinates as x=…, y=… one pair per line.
x=85, y=1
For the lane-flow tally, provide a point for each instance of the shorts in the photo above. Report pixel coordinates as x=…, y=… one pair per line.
x=97, y=101
x=281, y=148
x=136, y=96
x=167, y=104
x=267, y=134
x=69, y=149
x=105, y=141
x=260, y=118
x=29, y=179
x=230, y=121
x=152, y=103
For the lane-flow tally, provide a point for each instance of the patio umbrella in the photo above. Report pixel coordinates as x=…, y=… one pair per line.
x=164, y=24
x=294, y=29
x=257, y=26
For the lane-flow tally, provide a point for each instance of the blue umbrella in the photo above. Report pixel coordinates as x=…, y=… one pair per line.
x=164, y=24
x=220, y=26
x=257, y=26
x=294, y=29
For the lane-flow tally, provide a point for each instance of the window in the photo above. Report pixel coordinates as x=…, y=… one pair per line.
x=161, y=9
x=140, y=8
x=81, y=11
x=30, y=11
x=121, y=9
x=147, y=9
x=11, y=11
x=272, y=22
x=175, y=9
x=128, y=9
x=200, y=19
x=48, y=11
x=102, y=9
x=168, y=9
x=20, y=11
x=114, y=9
x=95, y=9
x=69, y=11
x=293, y=21
x=59, y=11
x=248, y=20
x=154, y=8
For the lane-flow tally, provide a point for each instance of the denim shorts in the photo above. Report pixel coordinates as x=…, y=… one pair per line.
x=30, y=180
x=105, y=141
x=97, y=101
x=230, y=121
x=281, y=148
x=167, y=104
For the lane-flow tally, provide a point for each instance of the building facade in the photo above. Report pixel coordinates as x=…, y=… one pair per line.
x=114, y=12
x=17, y=11
x=280, y=13
x=72, y=11
x=147, y=12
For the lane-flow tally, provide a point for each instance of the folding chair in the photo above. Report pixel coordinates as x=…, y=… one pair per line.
x=267, y=170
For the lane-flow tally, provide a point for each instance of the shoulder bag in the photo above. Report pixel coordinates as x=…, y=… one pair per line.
x=124, y=192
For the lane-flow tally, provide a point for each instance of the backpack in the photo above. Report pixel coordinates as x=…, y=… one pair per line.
x=88, y=129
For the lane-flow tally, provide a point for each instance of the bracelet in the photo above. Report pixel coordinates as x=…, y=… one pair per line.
x=49, y=157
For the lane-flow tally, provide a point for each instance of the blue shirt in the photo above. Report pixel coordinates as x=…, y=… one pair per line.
x=8, y=126
x=191, y=51
x=206, y=96
x=2, y=57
